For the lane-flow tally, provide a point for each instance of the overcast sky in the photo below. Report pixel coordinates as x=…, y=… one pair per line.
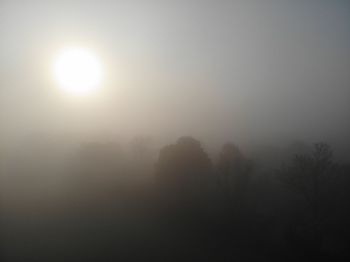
x=219, y=70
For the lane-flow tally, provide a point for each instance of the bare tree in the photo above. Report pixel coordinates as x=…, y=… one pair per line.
x=309, y=176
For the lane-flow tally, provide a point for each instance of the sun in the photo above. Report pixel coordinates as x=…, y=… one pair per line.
x=77, y=70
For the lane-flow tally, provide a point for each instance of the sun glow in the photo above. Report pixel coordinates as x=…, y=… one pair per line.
x=78, y=70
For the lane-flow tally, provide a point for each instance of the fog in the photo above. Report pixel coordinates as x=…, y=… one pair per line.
x=227, y=70
x=181, y=79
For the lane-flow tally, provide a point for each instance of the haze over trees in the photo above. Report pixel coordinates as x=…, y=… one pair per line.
x=180, y=203
x=177, y=130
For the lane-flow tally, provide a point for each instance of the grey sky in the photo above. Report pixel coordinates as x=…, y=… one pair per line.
x=220, y=70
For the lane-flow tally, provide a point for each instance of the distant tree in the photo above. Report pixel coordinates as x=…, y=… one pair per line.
x=234, y=171
x=297, y=147
x=309, y=176
x=184, y=182
x=183, y=168
x=140, y=148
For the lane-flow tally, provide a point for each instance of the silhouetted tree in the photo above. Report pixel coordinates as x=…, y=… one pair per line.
x=184, y=180
x=309, y=176
x=184, y=169
x=234, y=171
x=140, y=147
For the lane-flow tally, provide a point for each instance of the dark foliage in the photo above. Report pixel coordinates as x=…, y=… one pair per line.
x=191, y=208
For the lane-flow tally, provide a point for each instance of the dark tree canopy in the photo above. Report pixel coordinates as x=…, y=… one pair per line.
x=311, y=176
x=231, y=160
x=309, y=173
x=184, y=165
x=234, y=170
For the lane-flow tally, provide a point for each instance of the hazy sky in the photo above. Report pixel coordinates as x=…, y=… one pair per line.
x=219, y=70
